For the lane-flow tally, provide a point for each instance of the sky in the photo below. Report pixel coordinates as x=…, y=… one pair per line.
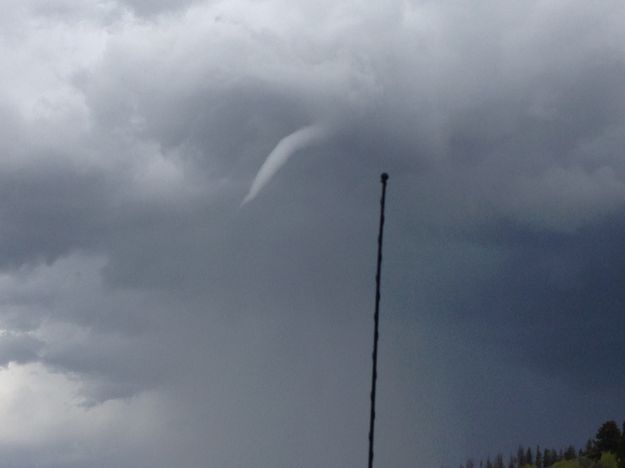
x=189, y=200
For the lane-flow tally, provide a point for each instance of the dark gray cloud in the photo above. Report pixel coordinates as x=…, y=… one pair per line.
x=18, y=348
x=139, y=299
x=150, y=8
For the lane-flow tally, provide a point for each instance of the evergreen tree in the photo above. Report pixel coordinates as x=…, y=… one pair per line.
x=608, y=438
x=570, y=453
x=539, y=458
x=620, y=454
x=589, y=448
x=520, y=456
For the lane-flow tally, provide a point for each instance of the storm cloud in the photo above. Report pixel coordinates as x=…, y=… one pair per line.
x=146, y=319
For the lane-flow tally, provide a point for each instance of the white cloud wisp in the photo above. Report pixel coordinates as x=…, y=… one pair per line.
x=284, y=150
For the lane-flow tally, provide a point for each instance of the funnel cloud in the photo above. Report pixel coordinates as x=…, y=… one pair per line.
x=284, y=150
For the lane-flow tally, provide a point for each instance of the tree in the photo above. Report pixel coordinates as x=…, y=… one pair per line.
x=529, y=458
x=520, y=455
x=570, y=453
x=608, y=438
x=547, y=458
x=620, y=454
x=589, y=449
x=539, y=458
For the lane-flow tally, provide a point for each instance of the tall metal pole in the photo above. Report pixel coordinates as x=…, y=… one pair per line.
x=376, y=319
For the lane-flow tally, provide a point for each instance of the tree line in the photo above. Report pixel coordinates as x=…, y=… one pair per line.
x=605, y=450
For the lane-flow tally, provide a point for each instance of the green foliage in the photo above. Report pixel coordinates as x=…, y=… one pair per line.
x=606, y=450
x=567, y=464
x=608, y=460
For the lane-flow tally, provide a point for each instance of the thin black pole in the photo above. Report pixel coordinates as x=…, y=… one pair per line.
x=376, y=319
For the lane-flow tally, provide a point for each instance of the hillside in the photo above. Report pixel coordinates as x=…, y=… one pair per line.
x=605, y=450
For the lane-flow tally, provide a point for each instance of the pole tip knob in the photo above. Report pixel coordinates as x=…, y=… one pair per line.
x=384, y=177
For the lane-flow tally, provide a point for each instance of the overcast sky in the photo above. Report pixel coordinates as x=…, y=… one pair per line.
x=150, y=319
